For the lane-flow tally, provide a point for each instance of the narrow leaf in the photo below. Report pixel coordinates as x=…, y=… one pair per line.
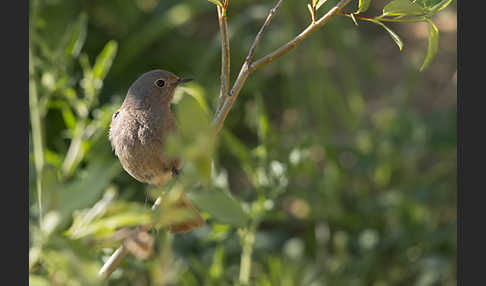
x=394, y=35
x=433, y=44
x=363, y=6
x=439, y=6
x=311, y=12
x=402, y=7
x=354, y=19
x=216, y=2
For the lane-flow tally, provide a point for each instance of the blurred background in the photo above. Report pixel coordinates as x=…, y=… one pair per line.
x=348, y=151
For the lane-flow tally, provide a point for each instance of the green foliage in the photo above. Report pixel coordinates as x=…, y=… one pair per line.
x=433, y=44
x=221, y=205
x=336, y=165
x=363, y=6
x=402, y=7
x=195, y=140
x=406, y=11
x=393, y=35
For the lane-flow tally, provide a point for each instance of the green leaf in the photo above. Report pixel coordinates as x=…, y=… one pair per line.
x=433, y=44
x=216, y=2
x=433, y=5
x=194, y=141
x=36, y=280
x=78, y=36
x=402, y=7
x=87, y=188
x=192, y=116
x=118, y=215
x=394, y=35
x=363, y=6
x=441, y=5
x=104, y=60
x=221, y=205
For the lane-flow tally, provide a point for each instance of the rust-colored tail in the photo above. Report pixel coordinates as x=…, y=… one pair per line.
x=186, y=226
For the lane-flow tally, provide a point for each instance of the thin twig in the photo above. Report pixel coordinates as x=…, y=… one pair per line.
x=302, y=36
x=228, y=101
x=112, y=263
x=259, y=36
x=225, y=55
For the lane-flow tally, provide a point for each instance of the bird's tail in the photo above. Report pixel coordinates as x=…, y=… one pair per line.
x=196, y=221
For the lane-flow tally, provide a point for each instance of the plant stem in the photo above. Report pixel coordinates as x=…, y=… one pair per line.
x=112, y=263
x=73, y=154
x=247, y=241
x=299, y=38
x=225, y=55
x=35, y=116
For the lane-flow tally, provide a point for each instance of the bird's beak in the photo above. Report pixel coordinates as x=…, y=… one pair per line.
x=183, y=80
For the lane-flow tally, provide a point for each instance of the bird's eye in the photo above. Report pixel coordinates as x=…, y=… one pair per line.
x=159, y=83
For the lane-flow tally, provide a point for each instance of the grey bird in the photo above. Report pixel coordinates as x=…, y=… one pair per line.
x=139, y=129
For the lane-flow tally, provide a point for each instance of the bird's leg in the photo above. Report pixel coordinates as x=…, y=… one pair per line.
x=175, y=172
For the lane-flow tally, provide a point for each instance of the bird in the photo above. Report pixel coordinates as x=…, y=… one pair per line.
x=138, y=132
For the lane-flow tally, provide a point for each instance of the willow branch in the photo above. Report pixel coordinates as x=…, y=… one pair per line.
x=225, y=55
x=249, y=66
x=264, y=27
x=302, y=36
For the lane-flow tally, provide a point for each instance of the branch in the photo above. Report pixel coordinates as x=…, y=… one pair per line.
x=248, y=67
x=302, y=36
x=225, y=55
x=112, y=263
x=265, y=25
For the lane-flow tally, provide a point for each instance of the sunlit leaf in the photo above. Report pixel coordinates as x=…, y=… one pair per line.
x=402, y=7
x=192, y=119
x=441, y=5
x=221, y=205
x=433, y=5
x=433, y=44
x=194, y=141
x=216, y=2
x=363, y=6
x=311, y=11
x=104, y=60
